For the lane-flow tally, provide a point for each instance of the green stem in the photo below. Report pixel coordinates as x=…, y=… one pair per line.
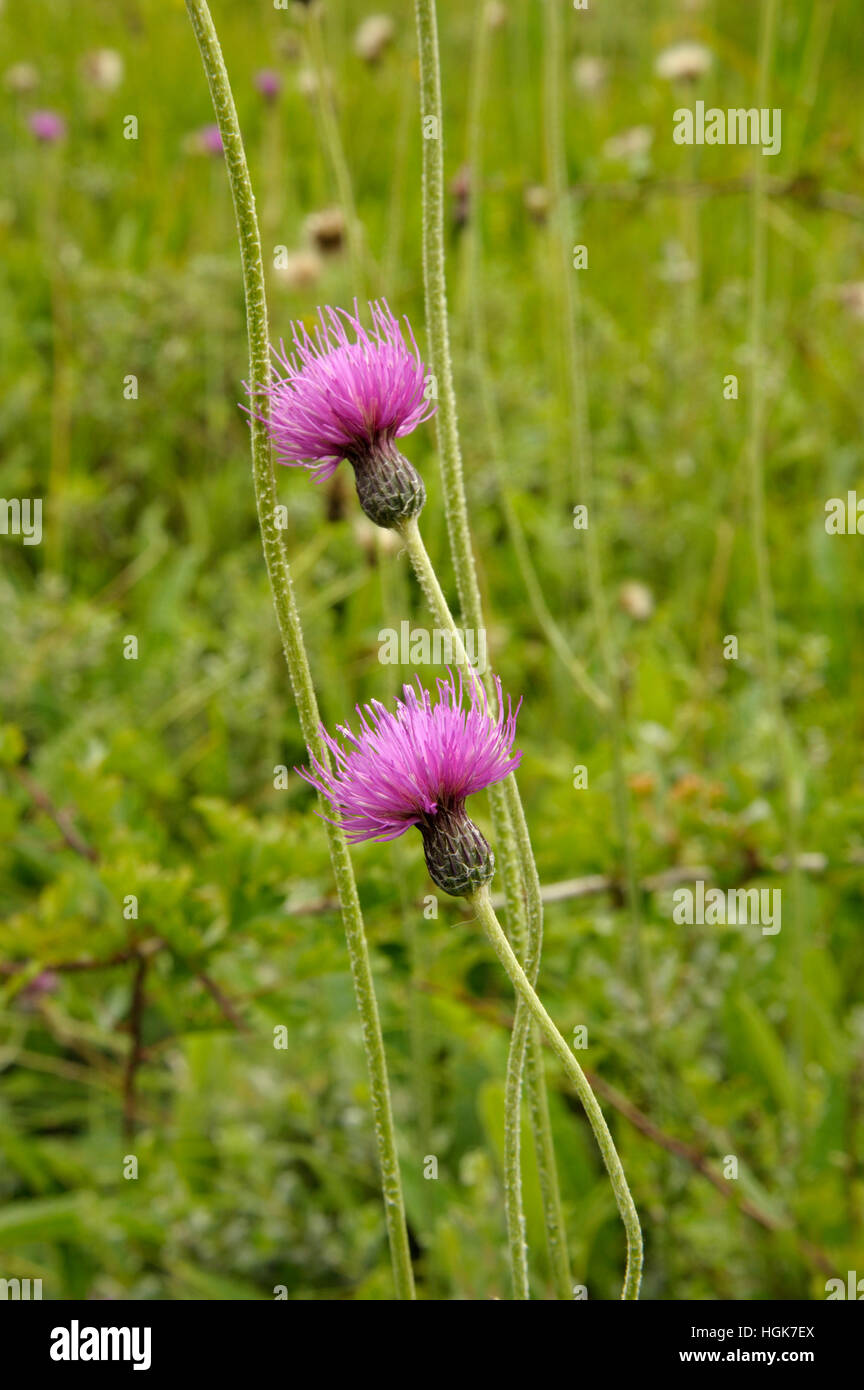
x=435, y=285
x=523, y=1031
x=516, y=857
x=292, y=635
x=482, y=905
x=525, y=911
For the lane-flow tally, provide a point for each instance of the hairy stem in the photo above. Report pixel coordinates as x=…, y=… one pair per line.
x=291, y=634
x=481, y=903
x=525, y=911
x=525, y=907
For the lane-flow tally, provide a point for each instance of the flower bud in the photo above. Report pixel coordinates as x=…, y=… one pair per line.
x=458, y=857
x=389, y=487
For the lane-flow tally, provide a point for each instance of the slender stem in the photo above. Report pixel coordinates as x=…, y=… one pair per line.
x=514, y=1206
x=292, y=636
x=516, y=858
x=435, y=285
x=541, y=1121
x=482, y=905
x=525, y=910
x=523, y=1030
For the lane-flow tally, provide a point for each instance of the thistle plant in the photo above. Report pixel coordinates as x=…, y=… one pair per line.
x=342, y=399
x=519, y=870
x=291, y=633
x=344, y=393
x=416, y=767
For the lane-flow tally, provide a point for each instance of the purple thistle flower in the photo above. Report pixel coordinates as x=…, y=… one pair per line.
x=349, y=394
x=269, y=83
x=47, y=126
x=417, y=766
x=211, y=139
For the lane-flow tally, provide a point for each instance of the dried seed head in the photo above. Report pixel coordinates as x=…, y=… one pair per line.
x=373, y=37
x=327, y=230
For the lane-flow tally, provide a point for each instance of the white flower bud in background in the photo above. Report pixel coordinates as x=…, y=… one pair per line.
x=103, y=68
x=22, y=78
x=636, y=600
x=589, y=74
x=373, y=37
x=495, y=15
x=300, y=271
x=684, y=62
x=536, y=200
x=851, y=296
x=630, y=144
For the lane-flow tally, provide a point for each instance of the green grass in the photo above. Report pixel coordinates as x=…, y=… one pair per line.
x=256, y=1163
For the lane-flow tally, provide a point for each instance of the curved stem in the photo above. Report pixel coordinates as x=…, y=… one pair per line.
x=482, y=905
x=292, y=636
x=525, y=911
x=519, y=858
x=541, y=1120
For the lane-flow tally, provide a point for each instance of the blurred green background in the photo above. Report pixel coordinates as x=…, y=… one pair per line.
x=153, y=1037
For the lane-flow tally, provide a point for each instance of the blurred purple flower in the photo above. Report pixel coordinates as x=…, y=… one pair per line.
x=211, y=140
x=47, y=126
x=268, y=83
x=46, y=982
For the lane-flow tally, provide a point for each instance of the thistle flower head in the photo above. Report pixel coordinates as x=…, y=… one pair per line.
x=417, y=766
x=346, y=393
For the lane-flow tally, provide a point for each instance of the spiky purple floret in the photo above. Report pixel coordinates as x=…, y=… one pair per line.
x=335, y=397
x=404, y=767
